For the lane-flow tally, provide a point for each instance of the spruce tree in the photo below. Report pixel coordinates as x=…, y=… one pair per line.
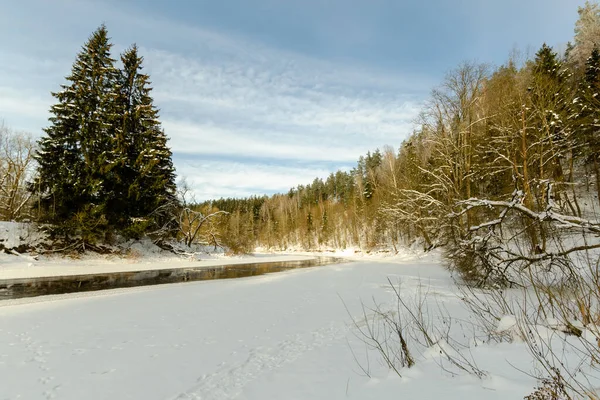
x=547, y=63
x=73, y=151
x=104, y=160
x=587, y=114
x=141, y=176
x=550, y=99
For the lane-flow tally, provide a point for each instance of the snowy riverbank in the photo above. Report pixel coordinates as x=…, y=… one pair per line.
x=22, y=267
x=286, y=336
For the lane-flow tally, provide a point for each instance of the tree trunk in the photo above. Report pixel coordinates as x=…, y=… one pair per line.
x=526, y=187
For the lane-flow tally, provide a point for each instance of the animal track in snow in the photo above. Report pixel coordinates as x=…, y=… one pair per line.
x=229, y=380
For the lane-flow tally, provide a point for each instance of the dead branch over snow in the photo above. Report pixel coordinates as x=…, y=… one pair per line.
x=495, y=245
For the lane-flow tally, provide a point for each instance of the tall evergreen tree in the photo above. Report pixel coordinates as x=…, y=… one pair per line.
x=75, y=145
x=550, y=100
x=587, y=115
x=141, y=175
x=546, y=63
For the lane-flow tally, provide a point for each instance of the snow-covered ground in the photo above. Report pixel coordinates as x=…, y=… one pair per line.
x=21, y=267
x=288, y=335
x=14, y=234
x=134, y=256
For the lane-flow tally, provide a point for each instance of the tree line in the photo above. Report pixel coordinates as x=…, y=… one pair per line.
x=523, y=134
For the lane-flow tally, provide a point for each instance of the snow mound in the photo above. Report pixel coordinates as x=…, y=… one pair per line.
x=20, y=234
x=508, y=325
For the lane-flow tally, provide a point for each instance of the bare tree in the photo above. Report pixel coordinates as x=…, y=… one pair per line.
x=16, y=167
x=587, y=34
x=438, y=164
x=195, y=225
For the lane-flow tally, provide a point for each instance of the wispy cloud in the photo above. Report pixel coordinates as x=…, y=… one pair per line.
x=236, y=105
x=23, y=105
x=230, y=100
x=237, y=178
x=241, y=108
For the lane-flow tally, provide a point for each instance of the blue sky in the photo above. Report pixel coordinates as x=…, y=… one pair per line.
x=258, y=96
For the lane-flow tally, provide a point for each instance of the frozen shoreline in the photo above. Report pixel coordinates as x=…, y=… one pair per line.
x=284, y=335
x=25, y=267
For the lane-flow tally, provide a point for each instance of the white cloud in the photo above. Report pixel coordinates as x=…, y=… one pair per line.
x=222, y=96
x=215, y=179
x=241, y=108
x=214, y=140
x=23, y=109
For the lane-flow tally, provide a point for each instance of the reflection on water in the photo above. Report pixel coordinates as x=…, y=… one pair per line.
x=18, y=288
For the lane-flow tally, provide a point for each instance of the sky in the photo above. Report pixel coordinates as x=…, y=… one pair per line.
x=258, y=96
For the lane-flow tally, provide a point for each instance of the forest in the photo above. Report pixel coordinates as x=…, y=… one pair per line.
x=503, y=164
x=499, y=183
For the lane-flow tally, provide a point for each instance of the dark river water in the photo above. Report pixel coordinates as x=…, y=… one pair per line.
x=30, y=287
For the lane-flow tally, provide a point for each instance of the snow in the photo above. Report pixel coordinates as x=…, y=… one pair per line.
x=140, y=255
x=508, y=325
x=288, y=335
x=14, y=234
x=25, y=267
